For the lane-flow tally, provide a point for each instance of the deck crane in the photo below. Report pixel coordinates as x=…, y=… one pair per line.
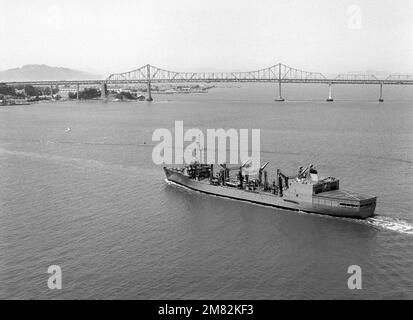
x=260, y=172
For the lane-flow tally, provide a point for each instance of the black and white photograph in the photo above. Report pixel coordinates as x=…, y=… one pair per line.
x=206, y=155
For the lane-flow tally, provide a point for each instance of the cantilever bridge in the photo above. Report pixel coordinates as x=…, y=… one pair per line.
x=279, y=73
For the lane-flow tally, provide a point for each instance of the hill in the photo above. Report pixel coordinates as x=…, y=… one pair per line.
x=36, y=72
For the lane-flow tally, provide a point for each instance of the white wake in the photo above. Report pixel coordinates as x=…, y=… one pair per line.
x=392, y=224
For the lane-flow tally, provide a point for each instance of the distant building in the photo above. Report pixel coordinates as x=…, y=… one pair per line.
x=20, y=92
x=64, y=92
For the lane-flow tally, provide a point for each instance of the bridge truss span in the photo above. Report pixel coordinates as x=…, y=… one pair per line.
x=278, y=72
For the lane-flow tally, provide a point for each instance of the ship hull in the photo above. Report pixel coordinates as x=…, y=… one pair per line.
x=265, y=198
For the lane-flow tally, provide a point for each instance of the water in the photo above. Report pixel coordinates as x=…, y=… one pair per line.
x=92, y=201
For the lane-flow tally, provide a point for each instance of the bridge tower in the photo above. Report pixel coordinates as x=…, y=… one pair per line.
x=381, y=93
x=280, y=98
x=148, y=74
x=330, y=97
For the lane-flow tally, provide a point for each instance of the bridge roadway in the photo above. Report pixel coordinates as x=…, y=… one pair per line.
x=207, y=80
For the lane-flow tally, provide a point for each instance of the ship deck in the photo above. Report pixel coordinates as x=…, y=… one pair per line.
x=344, y=195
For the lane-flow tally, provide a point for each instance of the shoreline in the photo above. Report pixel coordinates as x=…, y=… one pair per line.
x=24, y=102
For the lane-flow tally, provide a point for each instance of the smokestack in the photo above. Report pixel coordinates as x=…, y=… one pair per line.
x=265, y=180
x=280, y=182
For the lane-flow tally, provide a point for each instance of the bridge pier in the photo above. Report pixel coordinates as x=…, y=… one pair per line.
x=149, y=98
x=381, y=93
x=77, y=92
x=280, y=98
x=51, y=91
x=148, y=74
x=330, y=97
x=104, y=91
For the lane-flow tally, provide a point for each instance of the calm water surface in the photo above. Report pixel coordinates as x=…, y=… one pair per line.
x=92, y=201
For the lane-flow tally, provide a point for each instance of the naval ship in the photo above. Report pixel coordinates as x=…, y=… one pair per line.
x=304, y=191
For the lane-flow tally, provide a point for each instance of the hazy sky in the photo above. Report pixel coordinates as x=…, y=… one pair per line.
x=230, y=35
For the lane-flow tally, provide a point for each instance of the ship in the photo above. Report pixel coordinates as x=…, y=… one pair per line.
x=304, y=191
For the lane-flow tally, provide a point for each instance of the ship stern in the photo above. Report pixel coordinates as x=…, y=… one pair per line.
x=344, y=203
